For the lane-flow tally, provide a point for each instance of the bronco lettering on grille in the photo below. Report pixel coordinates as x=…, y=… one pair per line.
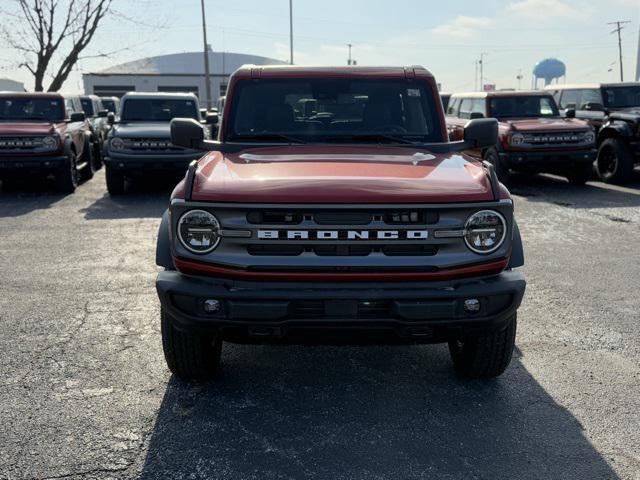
x=343, y=235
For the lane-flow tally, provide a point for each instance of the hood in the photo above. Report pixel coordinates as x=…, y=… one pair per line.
x=27, y=128
x=338, y=174
x=546, y=124
x=632, y=110
x=143, y=129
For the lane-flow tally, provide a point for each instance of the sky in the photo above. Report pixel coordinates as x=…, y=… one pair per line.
x=447, y=37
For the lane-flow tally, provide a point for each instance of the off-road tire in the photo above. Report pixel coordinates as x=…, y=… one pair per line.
x=580, y=174
x=90, y=169
x=97, y=155
x=68, y=177
x=115, y=181
x=491, y=156
x=615, y=161
x=190, y=356
x=484, y=356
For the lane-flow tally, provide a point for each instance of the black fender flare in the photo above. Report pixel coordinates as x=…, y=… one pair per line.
x=614, y=128
x=517, y=250
x=163, y=246
x=68, y=146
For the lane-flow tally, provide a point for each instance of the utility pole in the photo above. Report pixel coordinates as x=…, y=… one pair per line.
x=519, y=77
x=481, y=63
x=619, y=26
x=291, y=32
x=349, y=60
x=207, y=76
x=638, y=60
x=475, y=77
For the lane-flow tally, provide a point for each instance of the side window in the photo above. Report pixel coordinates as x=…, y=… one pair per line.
x=569, y=98
x=465, y=108
x=546, y=107
x=452, y=109
x=590, y=96
x=478, y=106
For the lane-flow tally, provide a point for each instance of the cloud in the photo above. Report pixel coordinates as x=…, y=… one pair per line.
x=463, y=26
x=549, y=9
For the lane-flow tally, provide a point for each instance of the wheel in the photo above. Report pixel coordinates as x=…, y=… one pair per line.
x=580, y=174
x=97, y=156
x=68, y=177
x=484, y=356
x=189, y=356
x=615, y=161
x=90, y=169
x=491, y=156
x=115, y=181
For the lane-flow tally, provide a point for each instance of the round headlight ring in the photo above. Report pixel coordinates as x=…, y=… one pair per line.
x=516, y=139
x=117, y=143
x=50, y=143
x=589, y=137
x=469, y=228
x=199, y=222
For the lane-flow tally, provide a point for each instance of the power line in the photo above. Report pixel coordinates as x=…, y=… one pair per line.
x=619, y=26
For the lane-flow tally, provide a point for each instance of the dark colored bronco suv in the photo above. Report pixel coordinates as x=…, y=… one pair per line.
x=533, y=137
x=46, y=134
x=139, y=142
x=333, y=208
x=614, y=111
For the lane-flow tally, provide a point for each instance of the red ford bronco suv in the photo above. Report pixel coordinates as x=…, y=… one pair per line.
x=44, y=133
x=533, y=137
x=333, y=208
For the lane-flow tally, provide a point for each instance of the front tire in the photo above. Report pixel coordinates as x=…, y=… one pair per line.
x=89, y=170
x=615, y=161
x=491, y=156
x=190, y=356
x=68, y=178
x=484, y=356
x=115, y=181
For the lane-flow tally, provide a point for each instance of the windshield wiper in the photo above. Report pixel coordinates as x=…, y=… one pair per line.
x=265, y=137
x=367, y=137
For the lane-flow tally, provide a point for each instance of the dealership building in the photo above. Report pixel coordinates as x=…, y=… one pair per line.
x=178, y=72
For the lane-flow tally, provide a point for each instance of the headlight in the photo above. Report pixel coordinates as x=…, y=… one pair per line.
x=50, y=143
x=199, y=231
x=117, y=143
x=589, y=137
x=516, y=139
x=485, y=231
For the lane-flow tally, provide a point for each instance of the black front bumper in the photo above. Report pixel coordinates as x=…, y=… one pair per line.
x=132, y=164
x=547, y=160
x=416, y=312
x=25, y=165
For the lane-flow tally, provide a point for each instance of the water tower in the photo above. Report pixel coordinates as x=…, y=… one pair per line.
x=549, y=69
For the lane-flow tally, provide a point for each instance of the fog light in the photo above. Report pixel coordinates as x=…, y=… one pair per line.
x=211, y=306
x=472, y=305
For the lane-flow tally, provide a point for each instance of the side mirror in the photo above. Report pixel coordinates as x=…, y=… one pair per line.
x=77, y=117
x=187, y=133
x=593, y=107
x=476, y=115
x=570, y=113
x=211, y=119
x=103, y=113
x=111, y=118
x=481, y=132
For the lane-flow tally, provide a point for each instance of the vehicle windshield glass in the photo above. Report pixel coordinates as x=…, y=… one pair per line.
x=621, y=97
x=48, y=109
x=521, y=106
x=158, y=109
x=334, y=110
x=109, y=105
x=87, y=107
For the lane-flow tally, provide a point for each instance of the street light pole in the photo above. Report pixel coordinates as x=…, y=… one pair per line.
x=291, y=32
x=207, y=76
x=349, y=61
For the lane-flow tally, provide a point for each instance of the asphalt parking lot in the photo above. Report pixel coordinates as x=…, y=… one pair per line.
x=84, y=391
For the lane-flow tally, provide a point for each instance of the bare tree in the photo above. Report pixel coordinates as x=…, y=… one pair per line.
x=49, y=32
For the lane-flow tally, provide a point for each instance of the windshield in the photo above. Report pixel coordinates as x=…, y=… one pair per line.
x=520, y=106
x=621, y=97
x=338, y=110
x=109, y=105
x=158, y=109
x=49, y=109
x=87, y=107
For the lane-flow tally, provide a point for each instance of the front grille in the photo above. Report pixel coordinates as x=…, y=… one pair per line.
x=363, y=309
x=20, y=144
x=150, y=144
x=561, y=138
x=343, y=250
